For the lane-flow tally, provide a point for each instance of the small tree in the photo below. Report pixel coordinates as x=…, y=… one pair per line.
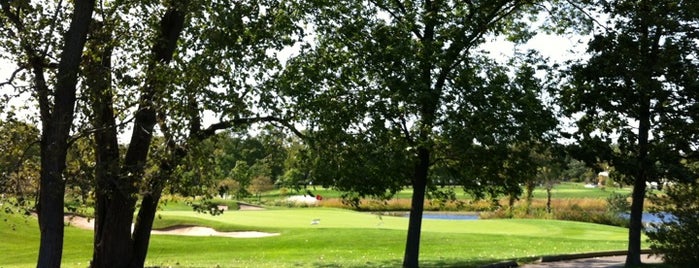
x=259, y=185
x=227, y=186
x=676, y=238
x=241, y=174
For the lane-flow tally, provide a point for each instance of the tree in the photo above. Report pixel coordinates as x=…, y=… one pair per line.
x=19, y=161
x=388, y=84
x=549, y=166
x=35, y=36
x=636, y=96
x=241, y=174
x=260, y=184
x=202, y=57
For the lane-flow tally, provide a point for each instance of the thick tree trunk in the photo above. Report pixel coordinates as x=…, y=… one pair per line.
x=113, y=206
x=55, y=135
x=51, y=206
x=412, y=245
x=114, y=245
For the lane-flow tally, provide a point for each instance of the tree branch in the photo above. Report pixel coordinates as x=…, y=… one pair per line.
x=211, y=130
x=12, y=78
x=578, y=7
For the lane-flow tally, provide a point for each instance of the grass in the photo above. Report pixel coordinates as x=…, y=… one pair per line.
x=343, y=239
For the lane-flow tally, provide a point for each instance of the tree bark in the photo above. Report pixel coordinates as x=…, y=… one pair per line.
x=633, y=257
x=55, y=136
x=143, y=227
x=412, y=245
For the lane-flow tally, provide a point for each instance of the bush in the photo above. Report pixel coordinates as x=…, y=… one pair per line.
x=618, y=203
x=677, y=237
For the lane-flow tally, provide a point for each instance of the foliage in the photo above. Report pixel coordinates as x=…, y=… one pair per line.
x=576, y=171
x=19, y=162
x=260, y=184
x=618, y=203
x=676, y=238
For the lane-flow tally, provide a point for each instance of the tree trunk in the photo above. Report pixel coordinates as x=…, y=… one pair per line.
x=412, y=245
x=548, y=199
x=143, y=227
x=633, y=258
x=114, y=204
x=51, y=205
x=530, y=194
x=55, y=135
x=114, y=245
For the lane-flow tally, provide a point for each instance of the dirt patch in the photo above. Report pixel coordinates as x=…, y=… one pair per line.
x=89, y=224
x=79, y=222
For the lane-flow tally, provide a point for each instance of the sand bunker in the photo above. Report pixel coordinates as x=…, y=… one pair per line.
x=89, y=224
x=206, y=231
x=302, y=199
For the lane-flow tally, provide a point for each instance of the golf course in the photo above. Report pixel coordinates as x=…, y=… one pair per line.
x=322, y=237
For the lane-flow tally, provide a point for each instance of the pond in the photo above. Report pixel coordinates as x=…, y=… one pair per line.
x=448, y=216
x=651, y=217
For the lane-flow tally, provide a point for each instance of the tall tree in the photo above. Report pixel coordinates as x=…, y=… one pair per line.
x=637, y=96
x=55, y=91
x=386, y=82
x=201, y=60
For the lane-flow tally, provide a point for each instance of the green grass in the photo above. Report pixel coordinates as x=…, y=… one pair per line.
x=569, y=190
x=342, y=239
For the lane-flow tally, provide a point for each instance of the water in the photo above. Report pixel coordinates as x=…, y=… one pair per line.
x=651, y=217
x=447, y=216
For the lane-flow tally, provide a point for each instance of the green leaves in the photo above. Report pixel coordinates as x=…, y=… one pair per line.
x=385, y=78
x=19, y=162
x=632, y=77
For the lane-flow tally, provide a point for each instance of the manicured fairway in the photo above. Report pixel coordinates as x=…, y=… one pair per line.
x=342, y=239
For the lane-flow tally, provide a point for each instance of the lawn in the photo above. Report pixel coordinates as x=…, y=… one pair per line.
x=343, y=238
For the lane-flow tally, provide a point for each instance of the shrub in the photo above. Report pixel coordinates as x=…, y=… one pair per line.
x=676, y=238
x=618, y=203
